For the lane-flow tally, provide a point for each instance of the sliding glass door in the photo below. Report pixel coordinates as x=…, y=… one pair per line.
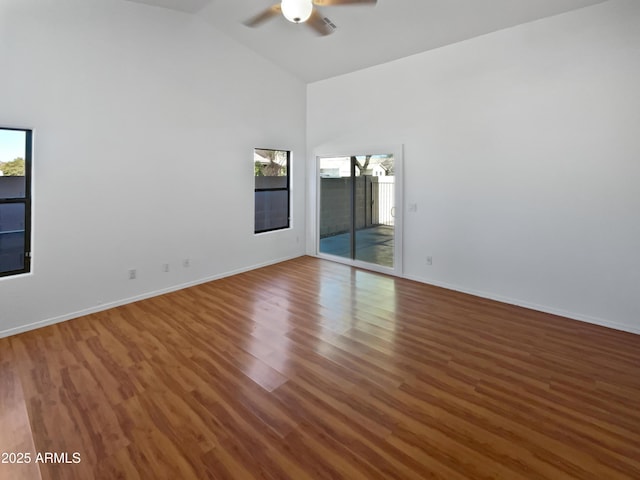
x=357, y=209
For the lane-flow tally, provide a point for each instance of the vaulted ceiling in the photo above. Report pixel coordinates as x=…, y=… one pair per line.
x=366, y=35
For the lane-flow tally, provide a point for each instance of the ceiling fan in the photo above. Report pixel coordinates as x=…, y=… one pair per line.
x=304, y=11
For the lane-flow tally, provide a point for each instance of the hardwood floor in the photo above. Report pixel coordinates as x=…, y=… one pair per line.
x=311, y=370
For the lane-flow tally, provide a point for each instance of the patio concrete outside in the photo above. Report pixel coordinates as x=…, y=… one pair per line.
x=373, y=245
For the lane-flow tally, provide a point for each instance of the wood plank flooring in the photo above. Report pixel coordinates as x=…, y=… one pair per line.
x=312, y=370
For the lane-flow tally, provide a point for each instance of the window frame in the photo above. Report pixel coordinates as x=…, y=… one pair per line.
x=26, y=201
x=278, y=189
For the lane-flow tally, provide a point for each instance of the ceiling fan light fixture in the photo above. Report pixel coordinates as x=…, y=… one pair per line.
x=297, y=11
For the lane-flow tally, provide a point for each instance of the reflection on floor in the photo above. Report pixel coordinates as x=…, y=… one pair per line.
x=373, y=245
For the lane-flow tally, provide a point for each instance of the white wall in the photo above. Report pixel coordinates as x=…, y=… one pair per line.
x=144, y=124
x=522, y=151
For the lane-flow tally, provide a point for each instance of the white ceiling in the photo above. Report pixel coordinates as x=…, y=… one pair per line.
x=366, y=35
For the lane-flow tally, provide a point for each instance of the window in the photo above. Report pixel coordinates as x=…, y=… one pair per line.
x=15, y=201
x=271, y=172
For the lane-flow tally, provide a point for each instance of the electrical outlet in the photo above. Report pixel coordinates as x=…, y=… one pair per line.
x=165, y=267
x=132, y=274
x=429, y=260
x=186, y=263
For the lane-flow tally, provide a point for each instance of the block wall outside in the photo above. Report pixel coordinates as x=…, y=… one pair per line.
x=335, y=211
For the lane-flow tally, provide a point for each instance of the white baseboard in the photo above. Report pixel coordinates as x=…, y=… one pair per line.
x=532, y=306
x=136, y=298
x=477, y=293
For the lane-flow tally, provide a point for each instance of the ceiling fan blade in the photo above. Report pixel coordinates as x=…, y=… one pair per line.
x=263, y=16
x=320, y=24
x=331, y=3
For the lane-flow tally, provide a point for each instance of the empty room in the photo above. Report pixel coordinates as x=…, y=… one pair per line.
x=319, y=239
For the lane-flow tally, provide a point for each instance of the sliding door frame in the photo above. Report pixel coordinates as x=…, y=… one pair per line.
x=349, y=151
